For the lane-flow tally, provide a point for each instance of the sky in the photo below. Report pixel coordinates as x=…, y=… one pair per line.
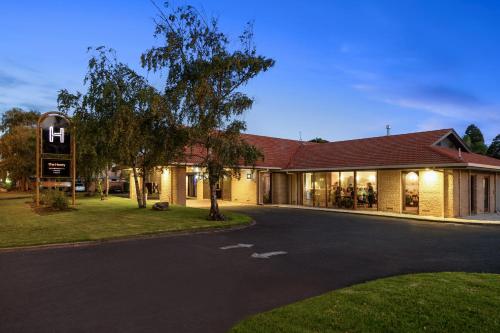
x=344, y=69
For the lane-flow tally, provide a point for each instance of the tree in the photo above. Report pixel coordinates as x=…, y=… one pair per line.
x=204, y=76
x=16, y=117
x=17, y=145
x=125, y=119
x=494, y=148
x=474, y=138
x=319, y=140
x=92, y=155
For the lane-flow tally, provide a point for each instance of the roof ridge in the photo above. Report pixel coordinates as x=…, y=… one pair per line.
x=390, y=136
x=277, y=138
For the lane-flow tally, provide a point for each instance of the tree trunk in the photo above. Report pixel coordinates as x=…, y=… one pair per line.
x=144, y=189
x=107, y=181
x=137, y=189
x=215, y=213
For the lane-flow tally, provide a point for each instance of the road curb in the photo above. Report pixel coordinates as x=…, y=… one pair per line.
x=405, y=217
x=93, y=243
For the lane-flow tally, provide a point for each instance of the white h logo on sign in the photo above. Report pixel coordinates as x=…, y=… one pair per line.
x=52, y=134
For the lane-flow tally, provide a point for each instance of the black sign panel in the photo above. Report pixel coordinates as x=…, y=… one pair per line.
x=56, y=168
x=55, y=136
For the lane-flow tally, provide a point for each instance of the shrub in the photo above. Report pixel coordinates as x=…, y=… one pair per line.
x=55, y=199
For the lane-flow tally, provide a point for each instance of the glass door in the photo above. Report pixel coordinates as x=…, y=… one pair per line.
x=410, y=192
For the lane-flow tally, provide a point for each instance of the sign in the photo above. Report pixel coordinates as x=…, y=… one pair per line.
x=55, y=154
x=56, y=168
x=55, y=136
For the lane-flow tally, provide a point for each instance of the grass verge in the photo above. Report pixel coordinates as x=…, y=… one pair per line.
x=430, y=302
x=94, y=219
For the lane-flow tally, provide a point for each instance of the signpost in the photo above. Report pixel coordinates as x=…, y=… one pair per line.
x=55, y=153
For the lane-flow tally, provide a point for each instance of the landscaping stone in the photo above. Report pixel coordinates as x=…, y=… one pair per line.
x=161, y=206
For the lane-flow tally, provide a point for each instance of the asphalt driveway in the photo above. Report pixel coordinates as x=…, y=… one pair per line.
x=188, y=284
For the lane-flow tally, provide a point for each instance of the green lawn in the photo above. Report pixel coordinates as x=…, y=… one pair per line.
x=95, y=219
x=439, y=302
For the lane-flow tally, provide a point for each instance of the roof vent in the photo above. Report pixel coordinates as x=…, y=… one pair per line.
x=388, y=129
x=459, y=152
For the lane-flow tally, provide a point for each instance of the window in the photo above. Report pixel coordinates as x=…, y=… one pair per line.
x=366, y=189
x=410, y=192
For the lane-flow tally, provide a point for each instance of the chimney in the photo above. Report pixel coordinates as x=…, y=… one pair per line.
x=388, y=128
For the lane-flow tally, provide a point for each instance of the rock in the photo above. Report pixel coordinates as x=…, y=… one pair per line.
x=161, y=206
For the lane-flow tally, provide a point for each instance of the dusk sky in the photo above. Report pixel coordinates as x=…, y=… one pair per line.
x=344, y=69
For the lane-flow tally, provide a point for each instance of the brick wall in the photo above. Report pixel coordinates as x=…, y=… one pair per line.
x=165, y=186
x=497, y=192
x=431, y=193
x=389, y=191
x=280, y=188
x=245, y=190
x=178, y=180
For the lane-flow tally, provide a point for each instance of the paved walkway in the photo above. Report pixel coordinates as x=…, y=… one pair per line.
x=492, y=219
x=208, y=282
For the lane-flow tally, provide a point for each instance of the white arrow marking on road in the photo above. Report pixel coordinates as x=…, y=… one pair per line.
x=267, y=255
x=235, y=246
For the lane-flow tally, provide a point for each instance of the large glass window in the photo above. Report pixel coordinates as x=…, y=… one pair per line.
x=366, y=189
x=334, y=189
x=319, y=189
x=411, y=198
x=308, y=195
x=347, y=189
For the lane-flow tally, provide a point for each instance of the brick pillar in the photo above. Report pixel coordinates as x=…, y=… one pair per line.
x=178, y=185
x=165, y=185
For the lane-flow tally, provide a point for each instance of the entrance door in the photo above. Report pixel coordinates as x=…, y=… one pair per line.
x=226, y=188
x=486, y=186
x=473, y=194
x=265, y=188
x=191, y=186
x=410, y=192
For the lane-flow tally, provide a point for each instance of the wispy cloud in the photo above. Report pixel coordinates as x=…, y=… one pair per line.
x=23, y=87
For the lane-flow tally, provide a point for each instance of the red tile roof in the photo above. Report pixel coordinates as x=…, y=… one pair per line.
x=412, y=149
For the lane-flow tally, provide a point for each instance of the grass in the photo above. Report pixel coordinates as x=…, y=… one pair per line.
x=431, y=302
x=96, y=220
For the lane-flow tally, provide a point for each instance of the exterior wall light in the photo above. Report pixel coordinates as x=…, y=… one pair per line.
x=430, y=177
x=249, y=175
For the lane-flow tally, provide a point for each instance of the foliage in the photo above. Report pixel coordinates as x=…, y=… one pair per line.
x=474, y=139
x=494, y=148
x=130, y=121
x=17, y=145
x=319, y=140
x=17, y=117
x=55, y=199
x=204, y=76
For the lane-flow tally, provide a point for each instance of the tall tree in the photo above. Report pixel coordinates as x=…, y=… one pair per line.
x=474, y=138
x=205, y=75
x=494, y=148
x=17, y=145
x=319, y=140
x=16, y=117
x=125, y=119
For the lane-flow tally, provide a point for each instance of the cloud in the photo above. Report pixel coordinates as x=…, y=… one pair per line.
x=8, y=80
x=22, y=87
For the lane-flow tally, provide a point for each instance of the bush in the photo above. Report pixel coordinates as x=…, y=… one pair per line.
x=55, y=199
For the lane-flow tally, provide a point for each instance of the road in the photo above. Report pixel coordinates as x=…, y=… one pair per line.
x=188, y=284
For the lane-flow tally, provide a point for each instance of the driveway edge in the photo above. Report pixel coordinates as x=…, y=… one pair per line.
x=90, y=243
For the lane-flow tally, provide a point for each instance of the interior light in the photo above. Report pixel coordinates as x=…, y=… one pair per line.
x=412, y=176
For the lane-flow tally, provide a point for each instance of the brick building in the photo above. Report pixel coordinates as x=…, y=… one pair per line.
x=429, y=173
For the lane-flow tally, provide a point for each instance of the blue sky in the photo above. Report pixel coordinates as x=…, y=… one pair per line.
x=344, y=69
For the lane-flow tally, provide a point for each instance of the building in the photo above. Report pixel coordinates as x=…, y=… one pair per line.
x=429, y=173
